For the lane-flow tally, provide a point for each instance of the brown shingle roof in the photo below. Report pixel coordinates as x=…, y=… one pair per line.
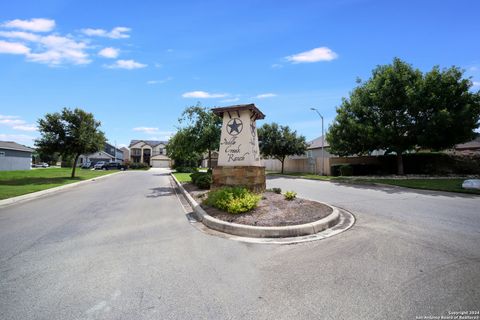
x=14, y=146
x=239, y=107
x=151, y=143
x=474, y=144
x=317, y=143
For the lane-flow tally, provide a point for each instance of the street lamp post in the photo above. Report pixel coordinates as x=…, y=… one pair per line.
x=323, y=139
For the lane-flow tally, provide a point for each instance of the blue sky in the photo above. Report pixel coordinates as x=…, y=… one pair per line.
x=137, y=64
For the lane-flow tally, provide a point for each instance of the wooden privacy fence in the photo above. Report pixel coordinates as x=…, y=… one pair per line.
x=312, y=165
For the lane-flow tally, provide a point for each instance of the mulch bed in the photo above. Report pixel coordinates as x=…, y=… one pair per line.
x=272, y=211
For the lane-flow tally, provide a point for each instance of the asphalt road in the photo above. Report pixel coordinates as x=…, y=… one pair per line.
x=122, y=248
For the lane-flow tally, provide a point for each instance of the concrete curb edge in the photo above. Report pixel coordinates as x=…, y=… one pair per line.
x=42, y=193
x=260, y=232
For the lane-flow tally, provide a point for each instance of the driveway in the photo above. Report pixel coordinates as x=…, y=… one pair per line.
x=122, y=248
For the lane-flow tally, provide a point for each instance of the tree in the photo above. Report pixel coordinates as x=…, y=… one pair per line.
x=70, y=133
x=279, y=142
x=202, y=131
x=399, y=109
x=180, y=149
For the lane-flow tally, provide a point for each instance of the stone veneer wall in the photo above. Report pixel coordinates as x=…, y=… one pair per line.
x=250, y=177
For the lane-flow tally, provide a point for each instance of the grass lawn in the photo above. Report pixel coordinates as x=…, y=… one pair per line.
x=182, y=177
x=304, y=175
x=450, y=185
x=16, y=183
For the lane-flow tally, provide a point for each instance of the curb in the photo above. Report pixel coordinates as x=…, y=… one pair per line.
x=256, y=231
x=42, y=193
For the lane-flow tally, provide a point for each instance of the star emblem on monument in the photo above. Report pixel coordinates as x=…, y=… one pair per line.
x=234, y=126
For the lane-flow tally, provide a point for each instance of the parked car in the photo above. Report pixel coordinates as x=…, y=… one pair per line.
x=102, y=165
x=99, y=165
x=40, y=165
x=87, y=165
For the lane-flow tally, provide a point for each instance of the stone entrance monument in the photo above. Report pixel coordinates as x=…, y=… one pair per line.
x=239, y=155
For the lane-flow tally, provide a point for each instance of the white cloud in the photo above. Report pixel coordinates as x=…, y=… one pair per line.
x=146, y=129
x=35, y=25
x=265, y=95
x=276, y=66
x=11, y=120
x=16, y=123
x=13, y=48
x=126, y=64
x=19, y=138
x=55, y=49
x=159, y=81
x=162, y=136
x=59, y=50
x=155, y=133
x=476, y=83
x=109, y=52
x=231, y=100
x=26, y=127
x=28, y=36
x=314, y=55
x=203, y=94
x=50, y=49
x=115, y=33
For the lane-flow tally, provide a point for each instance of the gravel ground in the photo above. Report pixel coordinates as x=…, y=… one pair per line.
x=272, y=210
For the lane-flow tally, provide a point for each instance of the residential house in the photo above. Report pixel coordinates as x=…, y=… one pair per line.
x=14, y=156
x=214, y=159
x=310, y=162
x=151, y=152
x=314, y=149
x=468, y=148
x=109, y=154
x=126, y=153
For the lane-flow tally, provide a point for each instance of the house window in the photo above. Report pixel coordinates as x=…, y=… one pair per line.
x=160, y=151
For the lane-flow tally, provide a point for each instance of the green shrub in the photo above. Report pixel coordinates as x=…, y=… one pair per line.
x=233, y=199
x=346, y=170
x=194, y=176
x=138, y=166
x=277, y=190
x=203, y=180
x=290, y=195
x=186, y=169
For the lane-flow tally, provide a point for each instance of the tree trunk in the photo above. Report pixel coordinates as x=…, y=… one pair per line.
x=399, y=163
x=282, y=161
x=209, y=159
x=74, y=165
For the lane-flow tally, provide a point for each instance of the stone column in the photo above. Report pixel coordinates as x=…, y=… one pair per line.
x=239, y=155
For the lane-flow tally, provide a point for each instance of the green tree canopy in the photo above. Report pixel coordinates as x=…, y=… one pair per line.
x=399, y=109
x=279, y=142
x=180, y=149
x=70, y=133
x=200, y=134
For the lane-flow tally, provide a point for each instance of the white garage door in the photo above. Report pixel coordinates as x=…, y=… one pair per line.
x=156, y=163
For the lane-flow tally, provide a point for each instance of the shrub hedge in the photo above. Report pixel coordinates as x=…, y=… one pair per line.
x=233, y=199
x=138, y=166
x=181, y=169
x=416, y=163
x=203, y=180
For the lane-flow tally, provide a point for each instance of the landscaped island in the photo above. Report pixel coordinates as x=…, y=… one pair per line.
x=238, y=205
